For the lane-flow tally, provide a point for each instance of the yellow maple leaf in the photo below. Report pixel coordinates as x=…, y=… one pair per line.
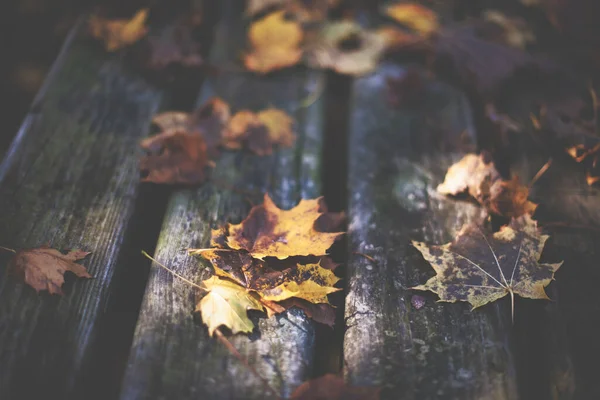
x=416, y=17
x=119, y=33
x=310, y=282
x=275, y=43
x=271, y=232
x=227, y=303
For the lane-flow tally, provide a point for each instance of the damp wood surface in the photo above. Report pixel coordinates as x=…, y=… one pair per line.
x=172, y=355
x=561, y=333
x=69, y=180
x=396, y=160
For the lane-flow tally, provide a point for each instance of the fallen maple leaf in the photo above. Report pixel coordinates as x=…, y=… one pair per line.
x=209, y=121
x=174, y=45
x=347, y=48
x=415, y=16
x=514, y=31
x=311, y=282
x=260, y=132
x=322, y=313
x=480, y=268
x=478, y=175
x=302, y=10
x=174, y=157
x=271, y=232
x=119, y=33
x=227, y=303
x=275, y=43
x=43, y=268
x=333, y=387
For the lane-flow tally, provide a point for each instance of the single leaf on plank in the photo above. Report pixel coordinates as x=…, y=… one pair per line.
x=349, y=49
x=173, y=45
x=512, y=31
x=119, y=33
x=259, y=132
x=480, y=268
x=271, y=232
x=43, y=268
x=208, y=120
x=414, y=16
x=275, y=43
x=227, y=303
x=333, y=387
x=174, y=157
x=478, y=175
x=322, y=313
x=302, y=10
x=310, y=282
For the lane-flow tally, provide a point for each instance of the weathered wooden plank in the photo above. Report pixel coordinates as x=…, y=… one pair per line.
x=69, y=180
x=565, y=330
x=172, y=355
x=397, y=158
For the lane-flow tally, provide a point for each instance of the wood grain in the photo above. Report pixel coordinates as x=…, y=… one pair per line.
x=397, y=158
x=172, y=355
x=69, y=180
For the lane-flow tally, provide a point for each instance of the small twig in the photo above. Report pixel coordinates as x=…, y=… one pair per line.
x=540, y=172
x=237, y=355
x=8, y=249
x=200, y=251
x=173, y=272
x=368, y=257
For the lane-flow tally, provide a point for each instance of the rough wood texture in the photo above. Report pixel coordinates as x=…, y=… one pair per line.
x=69, y=180
x=561, y=335
x=172, y=355
x=397, y=158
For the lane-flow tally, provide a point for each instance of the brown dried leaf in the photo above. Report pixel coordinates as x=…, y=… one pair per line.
x=175, y=45
x=174, y=157
x=514, y=31
x=43, y=268
x=480, y=267
x=333, y=387
x=271, y=232
x=119, y=33
x=347, y=48
x=322, y=313
x=478, y=175
x=415, y=16
x=275, y=43
x=302, y=10
x=259, y=132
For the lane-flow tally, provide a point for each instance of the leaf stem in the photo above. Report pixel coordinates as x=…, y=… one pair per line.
x=541, y=172
x=8, y=249
x=173, y=272
x=237, y=355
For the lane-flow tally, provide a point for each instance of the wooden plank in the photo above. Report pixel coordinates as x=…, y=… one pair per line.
x=172, y=355
x=70, y=180
x=397, y=158
x=562, y=333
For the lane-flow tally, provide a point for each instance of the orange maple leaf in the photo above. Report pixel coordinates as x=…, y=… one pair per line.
x=43, y=268
x=271, y=232
x=175, y=157
x=119, y=33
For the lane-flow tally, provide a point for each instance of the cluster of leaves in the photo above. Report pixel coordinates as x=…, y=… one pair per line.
x=182, y=151
x=478, y=266
x=273, y=260
x=174, y=44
